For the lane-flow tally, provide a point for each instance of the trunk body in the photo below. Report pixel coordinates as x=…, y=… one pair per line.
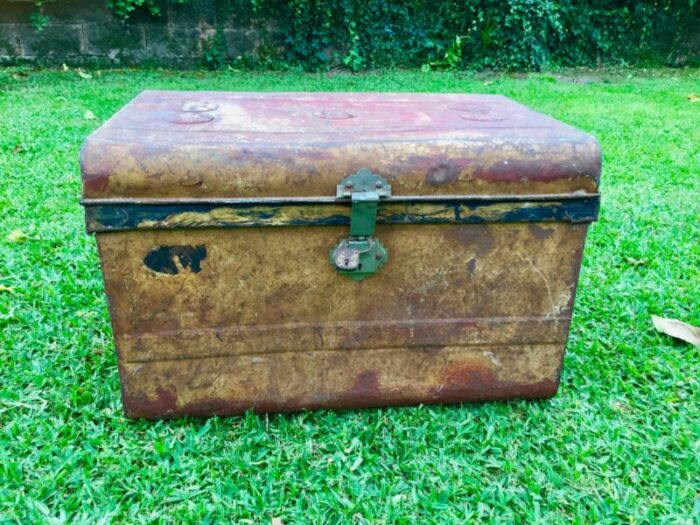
x=215, y=214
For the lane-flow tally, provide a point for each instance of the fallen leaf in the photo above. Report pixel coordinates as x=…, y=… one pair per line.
x=65, y=67
x=18, y=149
x=84, y=75
x=276, y=521
x=678, y=329
x=693, y=97
x=635, y=262
x=89, y=115
x=8, y=289
x=18, y=236
x=62, y=99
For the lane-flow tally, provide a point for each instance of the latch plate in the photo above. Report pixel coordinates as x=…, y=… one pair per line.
x=361, y=254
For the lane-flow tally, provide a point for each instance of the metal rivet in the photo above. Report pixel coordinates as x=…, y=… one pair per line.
x=378, y=184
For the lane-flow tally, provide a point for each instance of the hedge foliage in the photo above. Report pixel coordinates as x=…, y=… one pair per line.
x=478, y=34
x=447, y=34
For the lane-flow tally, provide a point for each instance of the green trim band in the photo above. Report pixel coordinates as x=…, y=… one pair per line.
x=135, y=214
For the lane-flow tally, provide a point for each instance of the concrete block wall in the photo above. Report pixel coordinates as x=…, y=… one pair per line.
x=84, y=32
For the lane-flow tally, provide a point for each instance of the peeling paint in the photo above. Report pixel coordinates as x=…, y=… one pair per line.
x=172, y=260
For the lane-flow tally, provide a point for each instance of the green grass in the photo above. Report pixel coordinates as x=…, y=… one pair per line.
x=619, y=443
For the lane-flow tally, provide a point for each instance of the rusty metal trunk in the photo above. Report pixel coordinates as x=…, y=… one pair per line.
x=289, y=251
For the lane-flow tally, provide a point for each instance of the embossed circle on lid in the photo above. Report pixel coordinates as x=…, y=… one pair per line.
x=193, y=106
x=334, y=114
x=189, y=118
x=478, y=112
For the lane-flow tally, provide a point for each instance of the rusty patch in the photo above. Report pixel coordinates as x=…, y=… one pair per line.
x=366, y=384
x=467, y=373
x=140, y=406
x=495, y=391
x=455, y=394
x=540, y=232
x=477, y=240
x=442, y=174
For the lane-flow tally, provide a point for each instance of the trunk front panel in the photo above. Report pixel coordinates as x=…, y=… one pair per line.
x=221, y=320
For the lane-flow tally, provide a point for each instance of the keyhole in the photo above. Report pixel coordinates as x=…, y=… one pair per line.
x=347, y=262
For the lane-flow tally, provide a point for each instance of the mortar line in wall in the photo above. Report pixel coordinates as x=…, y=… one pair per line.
x=19, y=40
x=83, y=39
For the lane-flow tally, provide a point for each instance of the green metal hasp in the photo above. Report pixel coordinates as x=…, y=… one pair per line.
x=361, y=254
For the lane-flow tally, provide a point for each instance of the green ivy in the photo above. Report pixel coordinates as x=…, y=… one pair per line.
x=320, y=35
x=124, y=8
x=38, y=18
x=478, y=34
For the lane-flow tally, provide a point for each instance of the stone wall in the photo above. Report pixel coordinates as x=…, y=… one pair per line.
x=86, y=32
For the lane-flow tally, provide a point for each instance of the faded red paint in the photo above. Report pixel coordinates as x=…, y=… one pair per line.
x=279, y=144
x=96, y=182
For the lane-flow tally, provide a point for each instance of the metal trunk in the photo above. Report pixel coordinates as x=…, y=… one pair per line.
x=288, y=251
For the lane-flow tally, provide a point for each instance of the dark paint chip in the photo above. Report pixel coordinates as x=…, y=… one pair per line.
x=162, y=258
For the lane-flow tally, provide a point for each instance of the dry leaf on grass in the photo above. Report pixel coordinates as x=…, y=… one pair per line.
x=635, y=262
x=84, y=75
x=678, y=329
x=89, y=115
x=8, y=289
x=18, y=236
x=693, y=97
x=276, y=521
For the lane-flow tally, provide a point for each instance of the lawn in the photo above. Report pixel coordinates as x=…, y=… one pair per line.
x=619, y=443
